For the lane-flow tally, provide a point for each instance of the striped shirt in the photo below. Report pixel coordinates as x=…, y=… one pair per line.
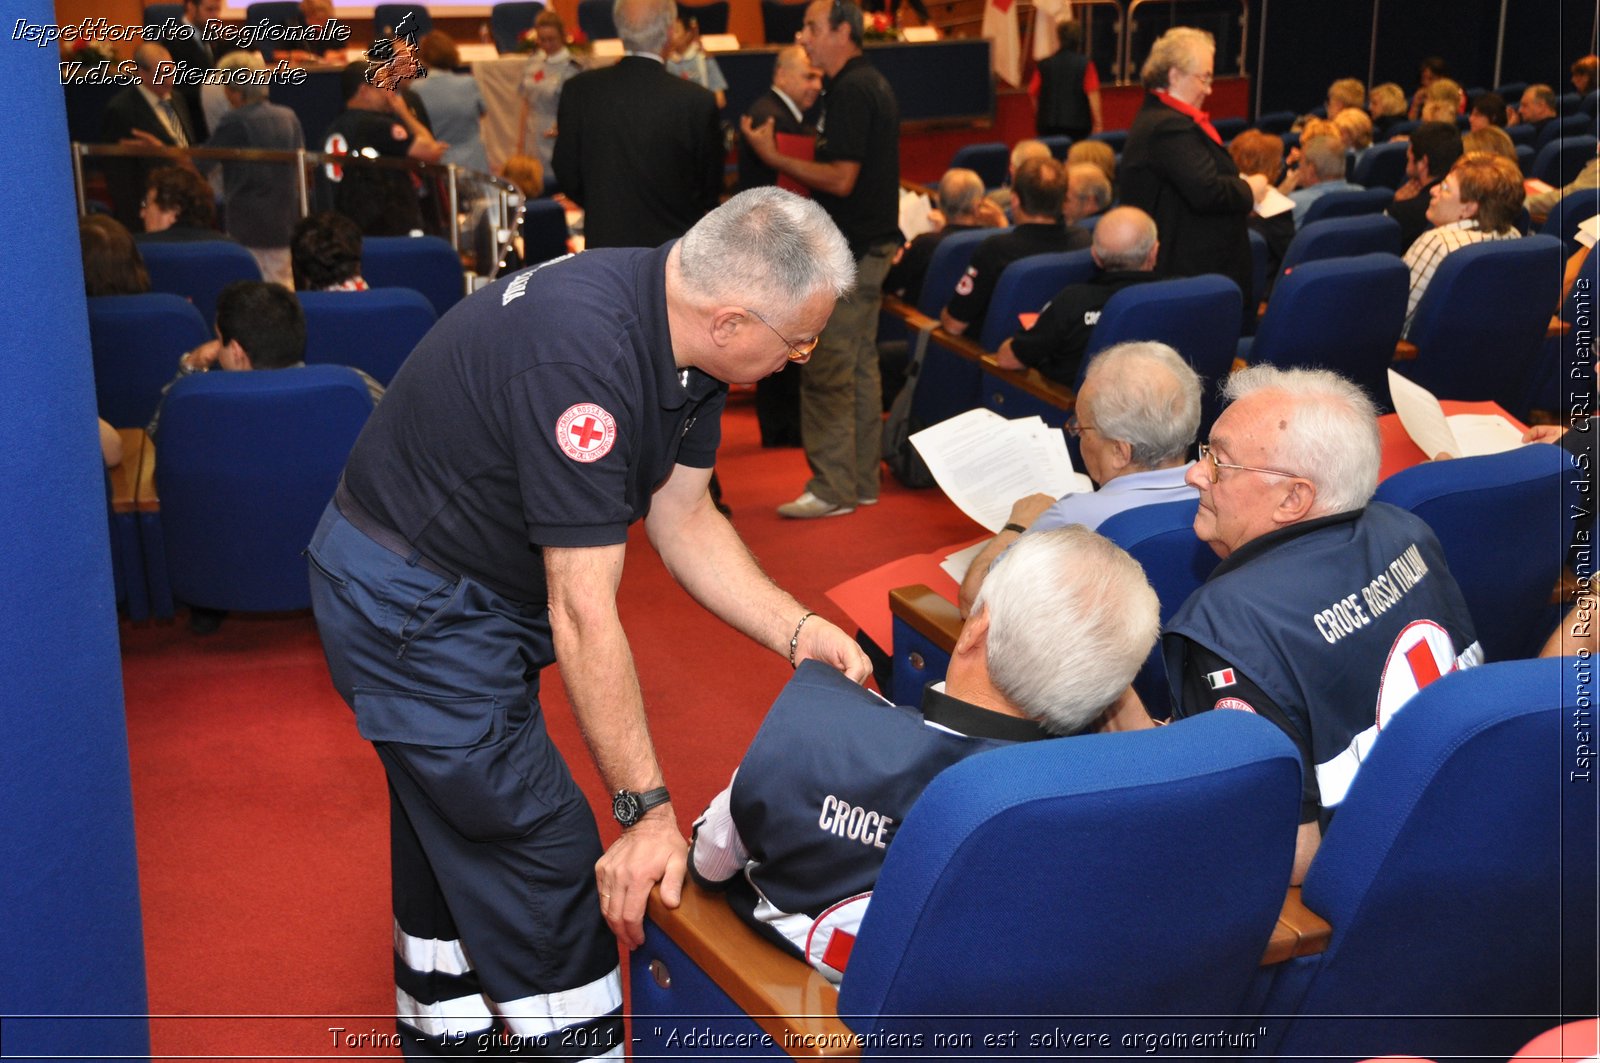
x=1429, y=249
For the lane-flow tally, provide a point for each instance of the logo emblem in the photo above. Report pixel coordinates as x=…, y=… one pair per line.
x=1421, y=653
x=1234, y=703
x=586, y=432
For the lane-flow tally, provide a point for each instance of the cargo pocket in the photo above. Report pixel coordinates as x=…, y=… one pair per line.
x=457, y=750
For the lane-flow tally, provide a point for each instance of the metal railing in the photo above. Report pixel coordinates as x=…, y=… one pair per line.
x=479, y=214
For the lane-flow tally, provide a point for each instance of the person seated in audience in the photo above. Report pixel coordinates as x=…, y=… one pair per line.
x=1037, y=195
x=1321, y=173
x=1541, y=204
x=1387, y=105
x=259, y=326
x=1488, y=109
x=686, y=59
x=1021, y=152
x=1442, y=101
x=1433, y=148
x=1491, y=139
x=1432, y=69
x=1586, y=75
x=1537, y=108
x=112, y=264
x=1309, y=128
x=325, y=251
x=1136, y=418
x=1328, y=611
x=1355, y=129
x=1344, y=94
x=1061, y=628
x=1478, y=200
x=1125, y=250
x=962, y=206
x=1262, y=153
x=1088, y=193
x=1096, y=153
x=178, y=207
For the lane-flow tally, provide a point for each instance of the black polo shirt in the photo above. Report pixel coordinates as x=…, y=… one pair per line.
x=861, y=123
x=543, y=410
x=1056, y=343
x=970, y=301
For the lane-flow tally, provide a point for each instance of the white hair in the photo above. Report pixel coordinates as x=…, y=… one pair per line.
x=768, y=246
x=1331, y=437
x=1148, y=397
x=1174, y=50
x=242, y=60
x=1071, y=620
x=644, y=25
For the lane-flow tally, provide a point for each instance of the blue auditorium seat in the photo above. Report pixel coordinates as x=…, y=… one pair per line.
x=1459, y=878
x=136, y=341
x=427, y=264
x=1348, y=204
x=1570, y=211
x=991, y=161
x=373, y=330
x=1363, y=234
x=1026, y=285
x=248, y=462
x=509, y=20
x=198, y=271
x=1382, y=166
x=945, y=383
x=1559, y=160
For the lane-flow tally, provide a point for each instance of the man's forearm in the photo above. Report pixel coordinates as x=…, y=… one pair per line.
x=836, y=179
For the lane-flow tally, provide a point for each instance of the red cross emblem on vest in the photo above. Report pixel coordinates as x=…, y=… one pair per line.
x=586, y=432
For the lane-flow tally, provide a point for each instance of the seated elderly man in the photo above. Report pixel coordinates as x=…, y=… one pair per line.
x=1136, y=418
x=1037, y=198
x=1124, y=248
x=1478, y=200
x=1538, y=108
x=1321, y=172
x=1328, y=612
x=799, y=835
x=1088, y=192
x=961, y=201
x=1021, y=152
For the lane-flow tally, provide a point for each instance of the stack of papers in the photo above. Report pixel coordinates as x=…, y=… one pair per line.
x=1273, y=203
x=984, y=463
x=1462, y=435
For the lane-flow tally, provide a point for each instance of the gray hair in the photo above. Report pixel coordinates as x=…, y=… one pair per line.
x=1123, y=239
x=1091, y=183
x=1030, y=148
x=1148, y=397
x=1071, y=620
x=960, y=191
x=766, y=246
x=242, y=60
x=644, y=25
x=1332, y=435
x=1172, y=51
x=1326, y=156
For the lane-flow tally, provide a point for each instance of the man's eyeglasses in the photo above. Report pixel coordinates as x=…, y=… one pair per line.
x=798, y=352
x=1076, y=428
x=1206, y=454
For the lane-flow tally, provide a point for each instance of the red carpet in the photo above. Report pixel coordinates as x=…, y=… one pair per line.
x=262, y=815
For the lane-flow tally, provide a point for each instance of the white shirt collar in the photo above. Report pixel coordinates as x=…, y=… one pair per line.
x=794, y=108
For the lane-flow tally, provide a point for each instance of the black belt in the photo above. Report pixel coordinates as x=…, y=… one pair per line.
x=385, y=537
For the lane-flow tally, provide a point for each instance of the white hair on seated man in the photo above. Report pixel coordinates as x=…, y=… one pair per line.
x=1071, y=620
x=1148, y=397
x=1332, y=437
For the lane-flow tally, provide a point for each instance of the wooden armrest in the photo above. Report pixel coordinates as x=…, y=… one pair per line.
x=1405, y=351
x=1300, y=931
x=798, y=1008
x=960, y=346
x=133, y=483
x=789, y=1000
x=928, y=613
x=1031, y=381
x=1556, y=329
x=914, y=318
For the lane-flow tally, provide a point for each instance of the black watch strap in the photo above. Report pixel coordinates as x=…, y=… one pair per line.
x=628, y=807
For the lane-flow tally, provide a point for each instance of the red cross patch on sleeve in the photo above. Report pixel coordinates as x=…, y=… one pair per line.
x=586, y=432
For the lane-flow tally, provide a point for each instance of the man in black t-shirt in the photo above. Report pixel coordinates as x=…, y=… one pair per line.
x=478, y=535
x=1125, y=249
x=1037, y=193
x=383, y=202
x=855, y=177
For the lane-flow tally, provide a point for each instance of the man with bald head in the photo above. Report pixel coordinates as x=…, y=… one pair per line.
x=1125, y=248
x=796, y=84
x=148, y=112
x=962, y=203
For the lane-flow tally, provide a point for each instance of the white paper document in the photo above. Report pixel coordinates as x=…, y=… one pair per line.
x=955, y=565
x=984, y=463
x=1273, y=203
x=1461, y=435
x=914, y=209
x=1589, y=231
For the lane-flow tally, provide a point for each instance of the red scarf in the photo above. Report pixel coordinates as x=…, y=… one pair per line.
x=1201, y=118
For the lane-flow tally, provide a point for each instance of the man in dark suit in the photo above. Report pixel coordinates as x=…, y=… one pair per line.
x=640, y=150
x=149, y=112
x=191, y=46
x=796, y=84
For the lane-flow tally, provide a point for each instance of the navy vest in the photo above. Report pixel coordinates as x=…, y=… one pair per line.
x=817, y=800
x=1340, y=627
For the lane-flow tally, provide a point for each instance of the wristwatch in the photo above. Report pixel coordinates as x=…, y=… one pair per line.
x=627, y=806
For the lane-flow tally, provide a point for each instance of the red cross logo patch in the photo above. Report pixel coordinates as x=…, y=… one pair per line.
x=586, y=432
x=336, y=145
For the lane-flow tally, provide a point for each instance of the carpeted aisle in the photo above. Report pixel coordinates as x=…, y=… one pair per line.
x=262, y=816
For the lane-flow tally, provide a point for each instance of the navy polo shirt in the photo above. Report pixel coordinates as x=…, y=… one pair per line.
x=543, y=410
